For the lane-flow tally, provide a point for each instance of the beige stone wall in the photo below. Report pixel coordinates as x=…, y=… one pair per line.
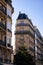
x=28, y=39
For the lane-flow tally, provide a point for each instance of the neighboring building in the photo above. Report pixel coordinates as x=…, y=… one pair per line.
x=38, y=46
x=6, y=50
x=28, y=35
x=42, y=51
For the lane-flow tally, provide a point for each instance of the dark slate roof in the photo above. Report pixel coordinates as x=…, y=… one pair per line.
x=38, y=33
x=22, y=16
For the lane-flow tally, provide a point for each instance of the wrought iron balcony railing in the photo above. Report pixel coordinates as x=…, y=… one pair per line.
x=3, y=10
x=9, y=2
x=2, y=25
x=2, y=43
x=24, y=32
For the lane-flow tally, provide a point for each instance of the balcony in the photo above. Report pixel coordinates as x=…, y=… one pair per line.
x=24, y=32
x=9, y=2
x=2, y=26
x=2, y=9
x=25, y=24
x=39, y=48
x=22, y=24
x=2, y=43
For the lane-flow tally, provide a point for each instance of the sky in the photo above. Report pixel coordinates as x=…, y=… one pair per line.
x=34, y=10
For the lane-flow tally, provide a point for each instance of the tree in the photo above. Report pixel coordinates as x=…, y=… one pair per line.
x=23, y=57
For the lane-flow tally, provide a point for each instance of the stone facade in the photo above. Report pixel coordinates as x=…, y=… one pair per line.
x=6, y=49
x=28, y=35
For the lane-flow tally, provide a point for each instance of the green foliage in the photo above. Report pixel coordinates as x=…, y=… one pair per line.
x=23, y=57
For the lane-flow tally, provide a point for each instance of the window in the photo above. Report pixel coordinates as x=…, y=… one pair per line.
x=31, y=30
x=22, y=23
x=8, y=40
x=3, y=21
x=0, y=5
x=9, y=55
x=4, y=38
x=35, y=36
x=4, y=8
x=36, y=48
x=35, y=41
x=9, y=12
x=22, y=31
x=9, y=26
x=22, y=38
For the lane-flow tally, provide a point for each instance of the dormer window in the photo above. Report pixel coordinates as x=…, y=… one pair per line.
x=22, y=23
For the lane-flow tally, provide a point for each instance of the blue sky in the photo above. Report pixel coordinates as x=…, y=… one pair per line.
x=34, y=10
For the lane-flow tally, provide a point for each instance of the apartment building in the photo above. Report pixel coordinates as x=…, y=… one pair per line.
x=6, y=49
x=42, y=50
x=38, y=47
x=28, y=35
x=24, y=33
